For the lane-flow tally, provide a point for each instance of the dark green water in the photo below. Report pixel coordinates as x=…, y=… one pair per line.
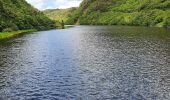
x=87, y=63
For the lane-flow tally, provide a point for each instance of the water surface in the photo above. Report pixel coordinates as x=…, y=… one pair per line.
x=87, y=63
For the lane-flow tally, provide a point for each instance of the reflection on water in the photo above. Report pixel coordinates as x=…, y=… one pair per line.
x=87, y=63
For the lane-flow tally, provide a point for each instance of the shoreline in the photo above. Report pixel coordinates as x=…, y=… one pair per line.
x=8, y=35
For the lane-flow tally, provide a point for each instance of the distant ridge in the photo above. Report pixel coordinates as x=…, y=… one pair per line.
x=60, y=14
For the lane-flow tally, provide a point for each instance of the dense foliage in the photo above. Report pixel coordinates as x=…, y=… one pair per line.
x=60, y=14
x=18, y=14
x=123, y=12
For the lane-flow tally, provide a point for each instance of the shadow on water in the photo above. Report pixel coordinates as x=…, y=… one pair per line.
x=139, y=32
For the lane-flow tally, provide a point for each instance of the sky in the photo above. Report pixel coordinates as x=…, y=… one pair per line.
x=53, y=4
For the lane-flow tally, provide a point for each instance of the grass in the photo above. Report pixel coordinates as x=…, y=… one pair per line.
x=7, y=35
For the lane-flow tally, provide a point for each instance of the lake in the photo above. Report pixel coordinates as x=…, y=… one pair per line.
x=87, y=63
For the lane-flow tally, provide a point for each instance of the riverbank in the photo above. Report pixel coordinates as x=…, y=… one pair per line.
x=7, y=35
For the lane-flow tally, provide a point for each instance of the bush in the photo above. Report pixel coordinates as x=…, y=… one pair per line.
x=14, y=27
x=7, y=30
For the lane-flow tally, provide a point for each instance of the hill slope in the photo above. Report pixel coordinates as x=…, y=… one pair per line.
x=59, y=14
x=123, y=12
x=18, y=14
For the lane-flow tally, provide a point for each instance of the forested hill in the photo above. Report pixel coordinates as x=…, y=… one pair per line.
x=123, y=12
x=60, y=14
x=18, y=14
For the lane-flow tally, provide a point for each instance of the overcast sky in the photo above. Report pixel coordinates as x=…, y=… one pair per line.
x=51, y=4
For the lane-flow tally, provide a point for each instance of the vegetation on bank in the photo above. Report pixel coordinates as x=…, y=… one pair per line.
x=7, y=35
x=123, y=12
x=19, y=15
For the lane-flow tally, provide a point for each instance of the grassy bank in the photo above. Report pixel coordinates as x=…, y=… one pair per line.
x=7, y=35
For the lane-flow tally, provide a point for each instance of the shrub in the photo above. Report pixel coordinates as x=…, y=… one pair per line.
x=7, y=30
x=14, y=27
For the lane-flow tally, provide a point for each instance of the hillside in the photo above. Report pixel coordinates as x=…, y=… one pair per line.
x=18, y=14
x=60, y=14
x=123, y=12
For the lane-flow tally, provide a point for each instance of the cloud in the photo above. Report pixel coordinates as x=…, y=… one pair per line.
x=51, y=4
